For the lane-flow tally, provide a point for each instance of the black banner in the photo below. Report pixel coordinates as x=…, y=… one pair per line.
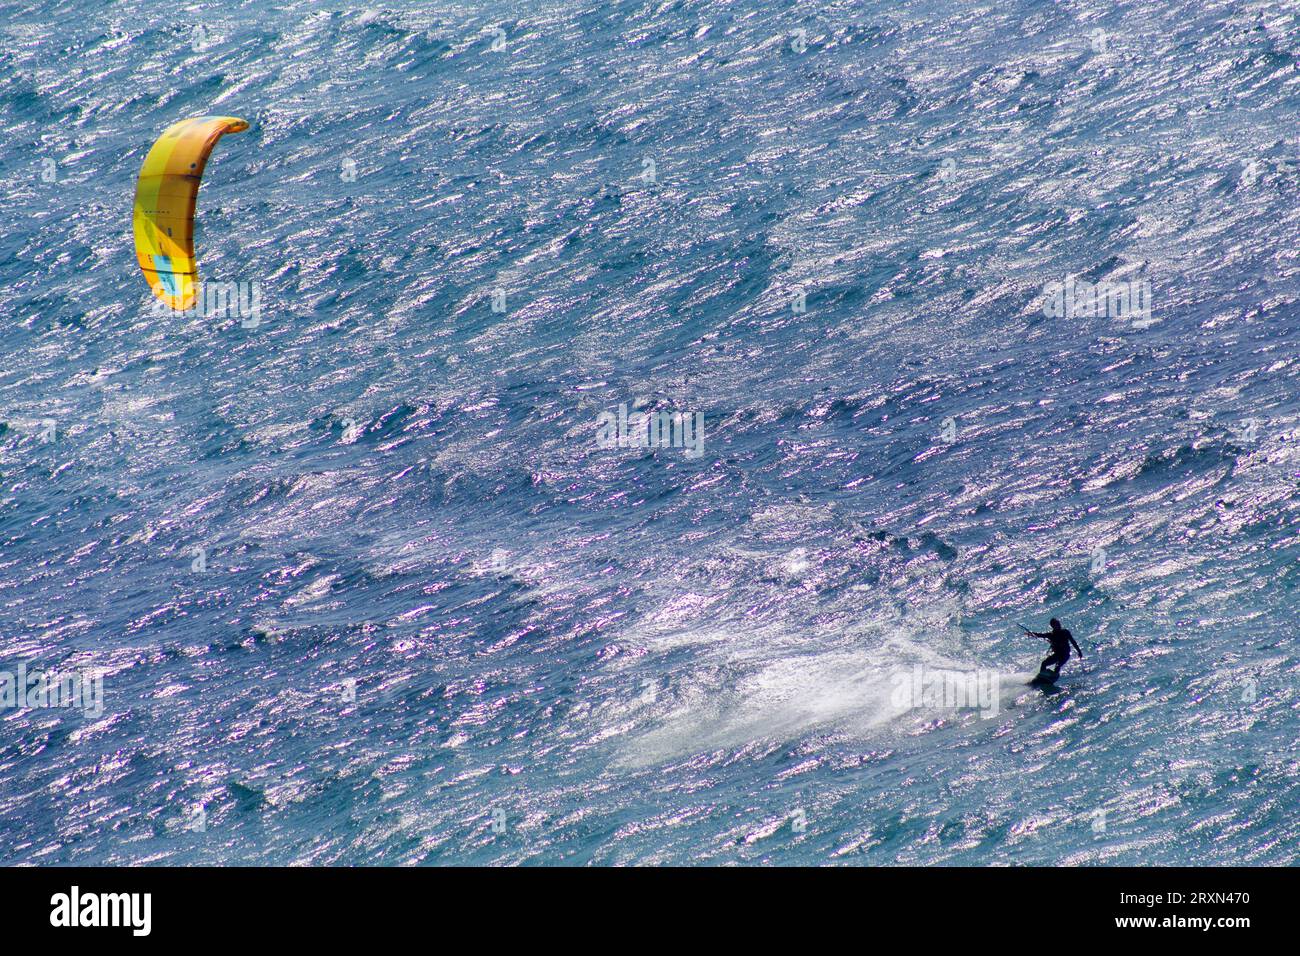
x=330, y=906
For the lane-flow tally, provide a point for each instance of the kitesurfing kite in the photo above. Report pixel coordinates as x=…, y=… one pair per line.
x=165, y=196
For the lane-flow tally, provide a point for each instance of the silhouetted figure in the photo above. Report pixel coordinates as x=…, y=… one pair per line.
x=1061, y=640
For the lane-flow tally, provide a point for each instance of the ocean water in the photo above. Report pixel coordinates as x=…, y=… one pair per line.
x=362, y=585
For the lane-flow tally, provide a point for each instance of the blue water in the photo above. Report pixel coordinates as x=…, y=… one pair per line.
x=568, y=654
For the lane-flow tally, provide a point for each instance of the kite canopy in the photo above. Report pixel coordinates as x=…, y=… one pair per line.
x=165, y=197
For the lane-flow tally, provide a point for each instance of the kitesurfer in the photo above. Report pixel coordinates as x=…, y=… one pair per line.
x=1061, y=640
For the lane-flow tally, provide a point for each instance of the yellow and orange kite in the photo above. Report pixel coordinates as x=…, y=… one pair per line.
x=165, y=197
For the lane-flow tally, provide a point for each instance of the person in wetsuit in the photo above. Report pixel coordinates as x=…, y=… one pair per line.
x=1061, y=640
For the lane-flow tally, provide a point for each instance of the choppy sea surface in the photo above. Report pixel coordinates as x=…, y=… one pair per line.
x=360, y=583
